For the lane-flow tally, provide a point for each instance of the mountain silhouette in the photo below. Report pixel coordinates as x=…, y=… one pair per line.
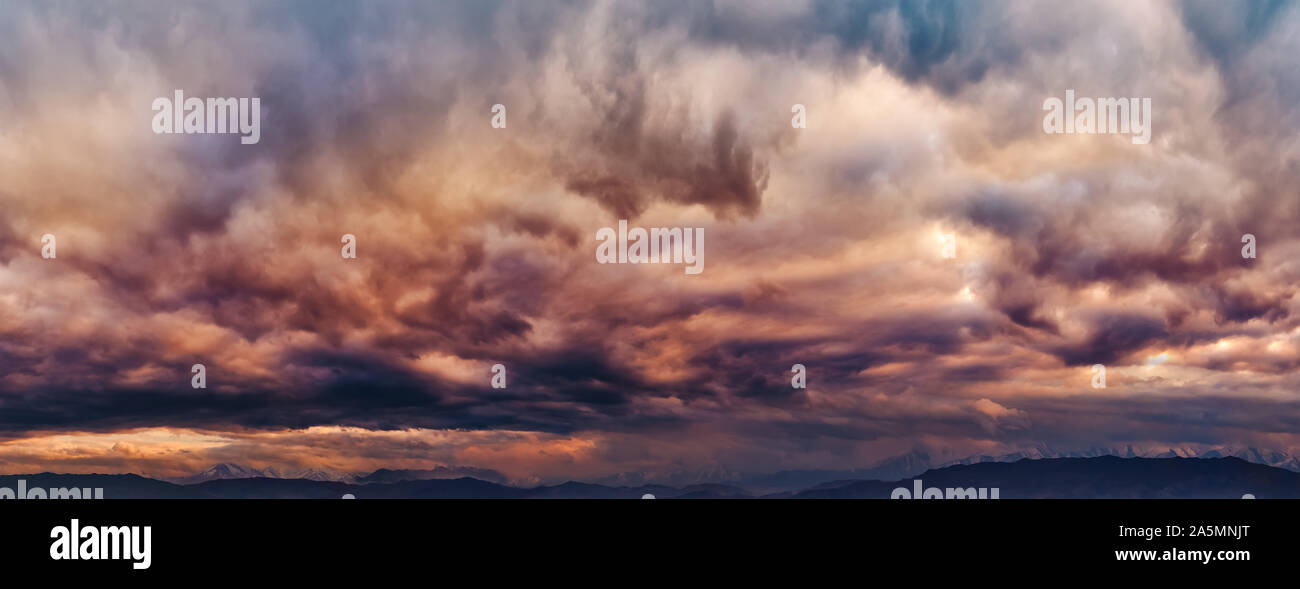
x=1102, y=477
x=385, y=475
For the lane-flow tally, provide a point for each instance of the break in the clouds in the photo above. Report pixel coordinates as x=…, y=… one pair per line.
x=475, y=243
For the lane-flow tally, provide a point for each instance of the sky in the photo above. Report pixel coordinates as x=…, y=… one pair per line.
x=947, y=272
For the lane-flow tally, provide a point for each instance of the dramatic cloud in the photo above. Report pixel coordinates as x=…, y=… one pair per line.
x=824, y=246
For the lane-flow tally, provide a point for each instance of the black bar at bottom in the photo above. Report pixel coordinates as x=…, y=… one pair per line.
x=732, y=539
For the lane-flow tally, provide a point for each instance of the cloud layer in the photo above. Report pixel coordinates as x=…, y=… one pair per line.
x=475, y=245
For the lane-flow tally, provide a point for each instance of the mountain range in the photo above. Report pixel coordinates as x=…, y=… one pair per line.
x=1101, y=477
x=893, y=468
x=917, y=462
x=226, y=471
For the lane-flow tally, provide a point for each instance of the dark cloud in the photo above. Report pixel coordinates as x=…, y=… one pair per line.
x=475, y=244
x=1110, y=337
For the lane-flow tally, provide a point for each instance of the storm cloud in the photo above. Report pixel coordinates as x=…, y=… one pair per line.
x=824, y=244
